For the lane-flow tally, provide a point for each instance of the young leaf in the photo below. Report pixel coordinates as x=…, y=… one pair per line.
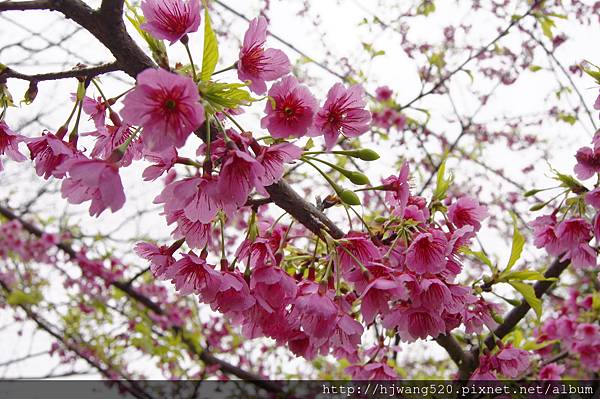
x=529, y=295
x=210, y=57
x=517, y=246
x=524, y=275
x=481, y=256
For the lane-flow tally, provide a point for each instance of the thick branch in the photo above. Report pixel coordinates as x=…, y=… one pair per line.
x=73, y=73
x=27, y=5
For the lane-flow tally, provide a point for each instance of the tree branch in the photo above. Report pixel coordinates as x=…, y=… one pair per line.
x=82, y=72
x=27, y=5
x=463, y=359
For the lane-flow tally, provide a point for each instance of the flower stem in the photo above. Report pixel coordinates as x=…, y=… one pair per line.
x=189, y=53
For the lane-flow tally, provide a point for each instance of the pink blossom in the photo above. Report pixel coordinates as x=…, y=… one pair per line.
x=239, y=174
x=192, y=274
x=397, y=188
x=196, y=233
x=272, y=287
x=588, y=333
x=110, y=138
x=96, y=109
x=593, y=198
x=427, y=252
x=272, y=159
x=257, y=253
x=581, y=255
x=478, y=314
x=346, y=337
x=544, y=234
x=258, y=64
x=383, y=93
x=171, y=19
x=484, y=371
x=162, y=162
x=356, y=246
x=512, y=361
x=195, y=197
x=588, y=162
x=343, y=113
x=92, y=180
x=467, y=211
x=48, y=152
x=552, y=372
x=233, y=295
x=166, y=105
x=433, y=295
x=372, y=371
x=414, y=323
x=290, y=110
x=316, y=310
x=9, y=144
x=573, y=231
x=160, y=258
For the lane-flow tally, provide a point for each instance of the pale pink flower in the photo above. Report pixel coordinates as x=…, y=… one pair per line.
x=160, y=258
x=92, y=180
x=552, y=372
x=171, y=19
x=166, y=105
x=258, y=64
x=588, y=333
x=240, y=173
x=9, y=144
x=588, y=162
x=290, y=110
x=427, y=252
x=581, y=255
x=343, y=113
x=272, y=159
x=96, y=109
x=512, y=361
x=48, y=152
x=467, y=211
x=192, y=274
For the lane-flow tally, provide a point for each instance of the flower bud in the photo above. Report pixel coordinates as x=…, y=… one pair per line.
x=349, y=197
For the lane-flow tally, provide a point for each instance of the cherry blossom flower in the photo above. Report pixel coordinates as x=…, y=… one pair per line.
x=233, y=295
x=92, y=180
x=290, y=110
x=414, y=323
x=272, y=287
x=109, y=138
x=96, y=109
x=427, y=252
x=192, y=274
x=552, y=372
x=544, y=234
x=9, y=144
x=171, y=19
x=166, y=105
x=160, y=258
x=512, y=361
x=258, y=64
x=272, y=159
x=316, y=310
x=593, y=198
x=239, y=174
x=588, y=162
x=397, y=188
x=379, y=371
x=343, y=113
x=383, y=93
x=467, y=211
x=162, y=162
x=49, y=152
x=356, y=246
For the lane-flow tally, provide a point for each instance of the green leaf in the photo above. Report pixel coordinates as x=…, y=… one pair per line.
x=210, y=57
x=442, y=183
x=481, y=256
x=157, y=47
x=535, y=68
x=518, y=242
x=222, y=96
x=528, y=275
x=529, y=295
x=547, y=25
x=534, y=346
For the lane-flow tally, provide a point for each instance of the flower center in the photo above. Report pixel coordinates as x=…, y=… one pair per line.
x=170, y=104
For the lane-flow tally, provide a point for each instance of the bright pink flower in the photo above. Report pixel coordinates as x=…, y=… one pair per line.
x=343, y=113
x=356, y=246
x=272, y=159
x=544, y=234
x=379, y=371
x=272, y=287
x=194, y=196
x=433, y=295
x=383, y=93
x=171, y=19
x=398, y=189
x=166, y=105
x=427, y=252
x=233, y=295
x=290, y=110
x=48, y=152
x=96, y=109
x=581, y=255
x=316, y=310
x=467, y=211
x=593, y=198
x=191, y=274
x=597, y=103
x=573, y=231
x=588, y=333
x=484, y=371
x=346, y=337
x=476, y=315
x=9, y=144
x=109, y=138
x=160, y=258
x=512, y=361
x=414, y=323
x=162, y=162
x=588, y=162
x=552, y=372
x=257, y=252
x=257, y=64
x=239, y=174
x=596, y=225
x=196, y=234
x=95, y=180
